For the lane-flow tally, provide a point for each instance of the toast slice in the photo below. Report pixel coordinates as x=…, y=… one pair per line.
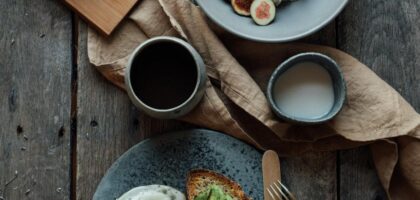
x=200, y=180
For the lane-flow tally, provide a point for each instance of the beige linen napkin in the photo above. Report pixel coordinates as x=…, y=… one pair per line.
x=234, y=102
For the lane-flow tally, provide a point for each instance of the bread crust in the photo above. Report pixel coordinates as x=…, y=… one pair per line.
x=198, y=181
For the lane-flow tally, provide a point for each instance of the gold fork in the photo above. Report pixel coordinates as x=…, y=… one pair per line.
x=274, y=189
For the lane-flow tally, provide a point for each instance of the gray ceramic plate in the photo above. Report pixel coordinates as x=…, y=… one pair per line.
x=168, y=158
x=293, y=21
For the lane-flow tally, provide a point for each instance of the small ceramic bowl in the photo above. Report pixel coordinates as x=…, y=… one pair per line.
x=339, y=87
x=187, y=105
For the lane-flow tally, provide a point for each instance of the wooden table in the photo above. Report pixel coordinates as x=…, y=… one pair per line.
x=62, y=124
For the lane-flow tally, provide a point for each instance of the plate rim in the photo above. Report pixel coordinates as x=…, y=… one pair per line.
x=166, y=134
x=280, y=40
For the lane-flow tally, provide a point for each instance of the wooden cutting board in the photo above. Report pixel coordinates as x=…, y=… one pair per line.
x=105, y=15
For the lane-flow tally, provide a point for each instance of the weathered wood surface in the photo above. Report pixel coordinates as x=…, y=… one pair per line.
x=384, y=35
x=358, y=178
x=36, y=103
x=35, y=98
x=107, y=123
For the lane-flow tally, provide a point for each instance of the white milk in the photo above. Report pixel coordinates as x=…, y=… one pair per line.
x=304, y=91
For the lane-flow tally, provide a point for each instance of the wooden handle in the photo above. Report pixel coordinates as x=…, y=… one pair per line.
x=104, y=15
x=271, y=171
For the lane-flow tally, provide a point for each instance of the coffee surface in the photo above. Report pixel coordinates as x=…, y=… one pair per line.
x=164, y=75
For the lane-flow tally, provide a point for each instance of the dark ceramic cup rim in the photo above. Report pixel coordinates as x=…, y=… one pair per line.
x=190, y=102
x=334, y=71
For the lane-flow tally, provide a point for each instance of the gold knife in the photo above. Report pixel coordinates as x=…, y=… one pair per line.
x=271, y=171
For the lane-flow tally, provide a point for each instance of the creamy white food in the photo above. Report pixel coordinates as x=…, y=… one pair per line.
x=305, y=91
x=153, y=192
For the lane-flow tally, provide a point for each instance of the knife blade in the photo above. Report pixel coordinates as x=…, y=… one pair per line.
x=271, y=171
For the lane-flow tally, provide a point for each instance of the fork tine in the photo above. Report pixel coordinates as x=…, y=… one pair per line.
x=275, y=192
x=287, y=191
x=271, y=194
x=281, y=192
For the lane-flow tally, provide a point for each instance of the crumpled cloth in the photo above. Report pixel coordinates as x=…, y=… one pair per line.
x=234, y=102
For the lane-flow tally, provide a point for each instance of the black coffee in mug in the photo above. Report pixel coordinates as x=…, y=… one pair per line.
x=164, y=75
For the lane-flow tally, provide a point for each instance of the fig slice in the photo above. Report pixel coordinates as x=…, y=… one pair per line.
x=242, y=7
x=263, y=11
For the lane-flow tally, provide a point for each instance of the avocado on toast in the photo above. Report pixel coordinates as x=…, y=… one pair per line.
x=205, y=184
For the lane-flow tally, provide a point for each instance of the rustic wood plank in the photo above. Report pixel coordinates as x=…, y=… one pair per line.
x=358, y=179
x=313, y=175
x=35, y=88
x=107, y=123
x=384, y=35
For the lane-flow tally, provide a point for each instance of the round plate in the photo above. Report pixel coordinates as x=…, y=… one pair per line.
x=293, y=20
x=168, y=158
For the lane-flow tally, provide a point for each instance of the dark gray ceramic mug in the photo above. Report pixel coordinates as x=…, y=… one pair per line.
x=339, y=86
x=196, y=91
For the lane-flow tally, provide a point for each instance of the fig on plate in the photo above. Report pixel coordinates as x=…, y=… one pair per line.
x=242, y=7
x=263, y=11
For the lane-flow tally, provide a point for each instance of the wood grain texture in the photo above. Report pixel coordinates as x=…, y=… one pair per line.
x=105, y=15
x=385, y=35
x=107, y=123
x=311, y=176
x=358, y=178
x=35, y=79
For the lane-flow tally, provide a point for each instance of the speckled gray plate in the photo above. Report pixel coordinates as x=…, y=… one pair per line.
x=168, y=158
x=294, y=20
